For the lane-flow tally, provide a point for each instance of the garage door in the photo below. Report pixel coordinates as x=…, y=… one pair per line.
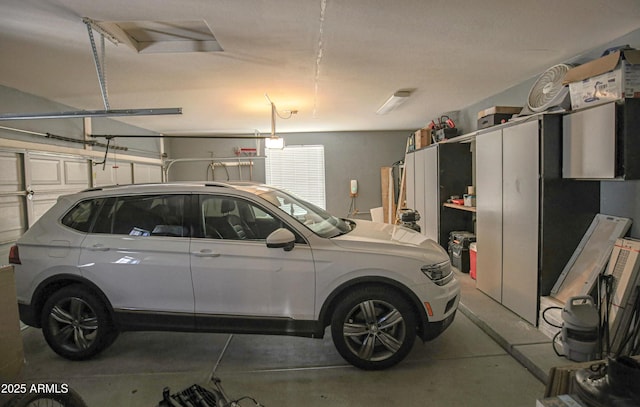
x=13, y=212
x=122, y=173
x=30, y=183
x=48, y=177
x=144, y=173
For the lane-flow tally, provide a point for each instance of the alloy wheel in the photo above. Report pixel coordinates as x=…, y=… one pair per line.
x=74, y=324
x=374, y=330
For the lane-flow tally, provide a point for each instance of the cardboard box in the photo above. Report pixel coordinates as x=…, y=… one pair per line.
x=496, y=115
x=612, y=77
x=422, y=138
x=11, y=351
x=561, y=378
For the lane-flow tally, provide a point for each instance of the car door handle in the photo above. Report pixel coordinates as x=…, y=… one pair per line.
x=98, y=248
x=206, y=253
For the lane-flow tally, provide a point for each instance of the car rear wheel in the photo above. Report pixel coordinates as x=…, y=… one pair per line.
x=62, y=396
x=373, y=328
x=76, y=324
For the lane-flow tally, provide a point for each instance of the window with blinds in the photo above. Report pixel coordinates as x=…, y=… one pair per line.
x=298, y=169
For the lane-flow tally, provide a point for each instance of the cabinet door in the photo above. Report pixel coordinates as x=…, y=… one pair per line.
x=520, y=186
x=489, y=213
x=431, y=194
x=589, y=143
x=410, y=176
x=419, y=157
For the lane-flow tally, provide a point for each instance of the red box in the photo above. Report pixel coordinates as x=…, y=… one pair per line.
x=473, y=252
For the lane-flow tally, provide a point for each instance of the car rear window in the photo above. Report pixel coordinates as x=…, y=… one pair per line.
x=81, y=216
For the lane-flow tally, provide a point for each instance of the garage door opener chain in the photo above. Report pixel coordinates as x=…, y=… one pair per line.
x=212, y=395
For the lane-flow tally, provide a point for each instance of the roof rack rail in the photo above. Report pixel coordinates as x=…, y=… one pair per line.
x=114, y=186
x=216, y=184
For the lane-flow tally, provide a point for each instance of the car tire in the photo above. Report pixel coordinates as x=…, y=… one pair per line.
x=66, y=398
x=76, y=323
x=373, y=327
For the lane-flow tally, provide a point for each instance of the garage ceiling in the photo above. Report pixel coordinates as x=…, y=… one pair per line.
x=334, y=61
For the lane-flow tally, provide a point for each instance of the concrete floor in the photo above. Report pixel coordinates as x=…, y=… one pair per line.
x=478, y=361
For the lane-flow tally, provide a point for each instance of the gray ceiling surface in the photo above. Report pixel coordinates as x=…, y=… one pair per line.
x=334, y=61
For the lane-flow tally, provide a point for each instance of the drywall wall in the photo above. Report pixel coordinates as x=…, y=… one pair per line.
x=517, y=95
x=348, y=155
x=212, y=150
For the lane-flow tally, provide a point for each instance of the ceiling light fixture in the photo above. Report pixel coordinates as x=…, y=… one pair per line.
x=275, y=142
x=394, y=101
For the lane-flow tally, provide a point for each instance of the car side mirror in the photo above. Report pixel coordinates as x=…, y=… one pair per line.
x=281, y=239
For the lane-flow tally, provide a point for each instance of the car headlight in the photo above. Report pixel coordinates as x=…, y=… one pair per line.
x=439, y=273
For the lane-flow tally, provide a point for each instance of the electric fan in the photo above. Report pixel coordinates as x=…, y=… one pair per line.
x=548, y=91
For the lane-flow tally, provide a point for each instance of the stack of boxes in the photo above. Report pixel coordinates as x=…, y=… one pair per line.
x=614, y=76
x=496, y=115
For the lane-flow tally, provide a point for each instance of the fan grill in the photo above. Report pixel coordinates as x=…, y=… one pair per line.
x=548, y=90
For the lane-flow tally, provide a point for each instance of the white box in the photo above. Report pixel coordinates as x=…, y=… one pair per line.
x=612, y=77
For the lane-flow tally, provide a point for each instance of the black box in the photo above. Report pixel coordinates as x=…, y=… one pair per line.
x=446, y=133
x=459, y=242
x=462, y=237
x=493, y=119
x=460, y=258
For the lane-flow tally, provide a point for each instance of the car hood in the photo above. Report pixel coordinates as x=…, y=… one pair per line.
x=389, y=239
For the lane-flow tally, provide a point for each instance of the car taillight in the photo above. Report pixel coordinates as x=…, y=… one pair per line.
x=14, y=256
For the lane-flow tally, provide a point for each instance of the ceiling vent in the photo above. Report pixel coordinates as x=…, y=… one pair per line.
x=162, y=36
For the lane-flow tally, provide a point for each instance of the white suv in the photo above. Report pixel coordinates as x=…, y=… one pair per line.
x=232, y=258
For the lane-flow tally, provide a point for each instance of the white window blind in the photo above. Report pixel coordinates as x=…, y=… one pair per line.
x=299, y=169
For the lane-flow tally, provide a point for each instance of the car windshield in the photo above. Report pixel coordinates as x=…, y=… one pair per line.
x=314, y=218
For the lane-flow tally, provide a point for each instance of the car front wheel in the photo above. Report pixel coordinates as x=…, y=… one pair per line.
x=76, y=324
x=373, y=328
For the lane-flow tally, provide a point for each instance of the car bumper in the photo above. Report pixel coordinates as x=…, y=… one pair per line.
x=432, y=330
x=28, y=315
x=439, y=309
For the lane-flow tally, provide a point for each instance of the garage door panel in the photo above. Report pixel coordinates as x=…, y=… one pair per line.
x=50, y=176
x=45, y=171
x=143, y=173
x=41, y=204
x=11, y=174
x=57, y=173
x=76, y=173
x=113, y=174
x=13, y=221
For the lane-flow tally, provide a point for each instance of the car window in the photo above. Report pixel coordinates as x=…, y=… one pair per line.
x=224, y=217
x=307, y=214
x=147, y=215
x=81, y=215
